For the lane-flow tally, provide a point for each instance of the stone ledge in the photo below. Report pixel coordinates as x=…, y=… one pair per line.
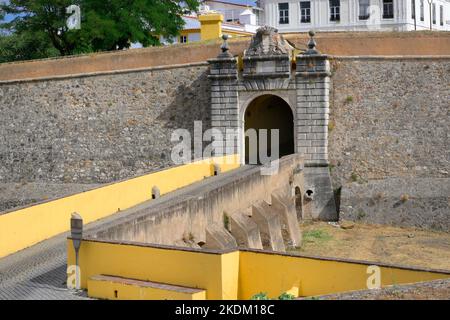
x=101, y=73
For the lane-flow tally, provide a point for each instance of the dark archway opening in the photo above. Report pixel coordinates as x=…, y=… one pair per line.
x=269, y=112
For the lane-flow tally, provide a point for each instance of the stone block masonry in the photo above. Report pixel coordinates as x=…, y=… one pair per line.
x=389, y=142
x=98, y=128
x=313, y=86
x=389, y=118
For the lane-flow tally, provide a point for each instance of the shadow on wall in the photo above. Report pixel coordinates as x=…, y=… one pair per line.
x=192, y=103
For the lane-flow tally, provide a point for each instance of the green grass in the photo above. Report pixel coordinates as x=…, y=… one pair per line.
x=260, y=296
x=316, y=236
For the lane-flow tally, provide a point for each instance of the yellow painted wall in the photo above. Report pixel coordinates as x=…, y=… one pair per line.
x=25, y=227
x=210, y=26
x=230, y=275
x=275, y=274
x=176, y=267
x=234, y=275
x=106, y=290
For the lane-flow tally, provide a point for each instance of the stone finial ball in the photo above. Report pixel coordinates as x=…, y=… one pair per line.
x=312, y=33
x=225, y=37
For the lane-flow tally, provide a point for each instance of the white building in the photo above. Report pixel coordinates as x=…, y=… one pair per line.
x=232, y=10
x=355, y=15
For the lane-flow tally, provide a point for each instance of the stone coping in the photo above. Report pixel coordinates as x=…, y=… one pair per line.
x=206, y=63
x=101, y=73
x=266, y=57
x=222, y=60
x=318, y=56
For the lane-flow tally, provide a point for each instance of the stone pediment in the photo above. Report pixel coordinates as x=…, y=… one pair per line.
x=268, y=42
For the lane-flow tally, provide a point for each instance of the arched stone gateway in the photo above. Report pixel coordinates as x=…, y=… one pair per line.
x=272, y=81
x=269, y=112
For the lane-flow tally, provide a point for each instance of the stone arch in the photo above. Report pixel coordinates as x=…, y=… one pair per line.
x=268, y=111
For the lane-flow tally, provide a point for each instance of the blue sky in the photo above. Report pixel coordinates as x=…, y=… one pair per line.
x=8, y=17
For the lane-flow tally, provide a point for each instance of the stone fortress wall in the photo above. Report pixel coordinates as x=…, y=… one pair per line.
x=389, y=140
x=388, y=131
x=67, y=135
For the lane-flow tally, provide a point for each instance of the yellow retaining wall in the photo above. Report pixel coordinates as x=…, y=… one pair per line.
x=275, y=274
x=216, y=273
x=25, y=227
x=236, y=274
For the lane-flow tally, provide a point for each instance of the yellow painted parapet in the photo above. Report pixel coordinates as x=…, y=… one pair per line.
x=217, y=273
x=210, y=26
x=236, y=274
x=24, y=227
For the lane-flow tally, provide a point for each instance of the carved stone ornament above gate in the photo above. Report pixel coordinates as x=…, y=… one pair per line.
x=267, y=41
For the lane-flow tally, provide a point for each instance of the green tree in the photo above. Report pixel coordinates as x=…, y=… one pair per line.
x=105, y=25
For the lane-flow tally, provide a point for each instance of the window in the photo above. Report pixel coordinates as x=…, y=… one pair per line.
x=441, y=15
x=413, y=9
x=434, y=13
x=388, y=9
x=364, y=9
x=283, y=8
x=305, y=11
x=335, y=11
x=422, y=11
x=183, y=39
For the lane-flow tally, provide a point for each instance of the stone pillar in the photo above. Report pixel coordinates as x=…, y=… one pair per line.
x=313, y=86
x=224, y=100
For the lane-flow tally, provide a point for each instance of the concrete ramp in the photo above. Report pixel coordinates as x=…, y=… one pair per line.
x=217, y=237
x=245, y=231
x=284, y=206
x=269, y=225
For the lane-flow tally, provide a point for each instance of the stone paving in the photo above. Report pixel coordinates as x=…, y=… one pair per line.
x=37, y=273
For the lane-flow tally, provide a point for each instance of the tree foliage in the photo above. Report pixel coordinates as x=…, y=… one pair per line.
x=39, y=26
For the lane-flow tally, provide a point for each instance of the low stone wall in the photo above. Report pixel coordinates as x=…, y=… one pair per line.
x=426, y=290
